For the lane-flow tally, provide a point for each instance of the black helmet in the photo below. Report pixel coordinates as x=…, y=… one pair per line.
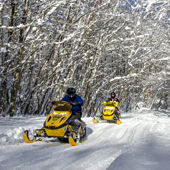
x=71, y=92
x=113, y=95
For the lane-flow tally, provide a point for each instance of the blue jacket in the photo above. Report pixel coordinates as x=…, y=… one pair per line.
x=74, y=108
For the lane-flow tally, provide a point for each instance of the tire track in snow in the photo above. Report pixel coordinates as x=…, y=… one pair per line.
x=104, y=144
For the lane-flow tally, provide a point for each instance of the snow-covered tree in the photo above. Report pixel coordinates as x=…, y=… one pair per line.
x=97, y=47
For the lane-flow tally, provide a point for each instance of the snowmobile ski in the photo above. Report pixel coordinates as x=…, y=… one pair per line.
x=26, y=138
x=118, y=122
x=71, y=141
x=95, y=120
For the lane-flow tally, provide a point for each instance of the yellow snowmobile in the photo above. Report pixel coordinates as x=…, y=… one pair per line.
x=59, y=124
x=108, y=113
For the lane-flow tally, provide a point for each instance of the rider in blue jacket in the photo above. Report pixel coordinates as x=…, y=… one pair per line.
x=75, y=100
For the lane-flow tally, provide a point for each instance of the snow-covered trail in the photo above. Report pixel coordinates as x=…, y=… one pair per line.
x=141, y=142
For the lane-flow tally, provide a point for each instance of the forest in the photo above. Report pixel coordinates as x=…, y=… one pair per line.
x=96, y=46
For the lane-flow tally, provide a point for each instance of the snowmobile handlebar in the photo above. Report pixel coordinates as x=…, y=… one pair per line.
x=75, y=103
x=72, y=103
x=111, y=103
x=53, y=102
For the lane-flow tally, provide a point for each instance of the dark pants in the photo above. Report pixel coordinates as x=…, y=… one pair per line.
x=75, y=120
x=77, y=115
x=117, y=113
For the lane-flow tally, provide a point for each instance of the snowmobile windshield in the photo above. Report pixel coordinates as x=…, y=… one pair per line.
x=62, y=106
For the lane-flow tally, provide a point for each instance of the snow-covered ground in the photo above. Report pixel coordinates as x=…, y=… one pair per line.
x=141, y=142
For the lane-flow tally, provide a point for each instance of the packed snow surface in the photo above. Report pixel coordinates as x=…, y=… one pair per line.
x=141, y=142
